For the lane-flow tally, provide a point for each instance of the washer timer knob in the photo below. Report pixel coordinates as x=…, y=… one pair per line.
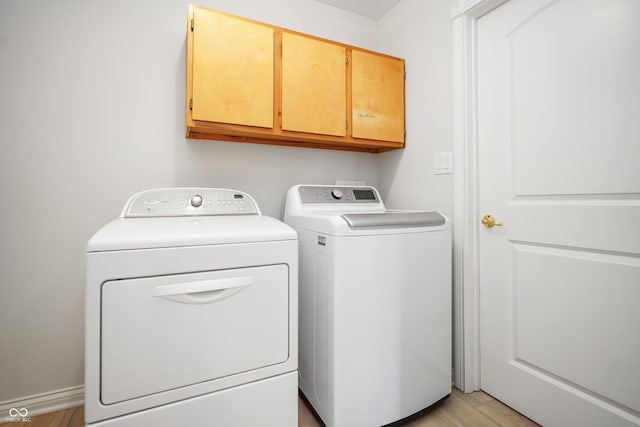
x=196, y=201
x=337, y=194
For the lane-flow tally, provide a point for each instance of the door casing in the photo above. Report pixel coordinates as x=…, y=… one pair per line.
x=466, y=278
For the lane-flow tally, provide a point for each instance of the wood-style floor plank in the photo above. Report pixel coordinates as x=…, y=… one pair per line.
x=461, y=412
x=58, y=418
x=475, y=399
x=435, y=418
x=77, y=419
x=504, y=415
x=305, y=416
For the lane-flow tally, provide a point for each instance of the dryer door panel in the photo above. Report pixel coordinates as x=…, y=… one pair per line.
x=161, y=333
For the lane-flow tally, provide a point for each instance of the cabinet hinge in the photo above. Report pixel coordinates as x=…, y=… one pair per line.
x=191, y=104
x=191, y=24
x=405, y=133
x=346, y=60
x=405, y=73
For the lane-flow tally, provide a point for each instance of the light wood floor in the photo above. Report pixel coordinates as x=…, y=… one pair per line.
x=73, y=417
x=460, y=410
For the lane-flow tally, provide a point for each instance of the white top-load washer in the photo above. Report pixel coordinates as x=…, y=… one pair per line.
x=191, y=314
x=374, y=308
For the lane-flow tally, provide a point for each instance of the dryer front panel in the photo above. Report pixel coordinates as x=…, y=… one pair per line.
x=166, y=332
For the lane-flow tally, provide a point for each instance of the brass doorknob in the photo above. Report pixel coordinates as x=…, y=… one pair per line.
x=489, y=221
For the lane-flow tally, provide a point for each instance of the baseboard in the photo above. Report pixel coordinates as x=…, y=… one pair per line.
x=43, y=403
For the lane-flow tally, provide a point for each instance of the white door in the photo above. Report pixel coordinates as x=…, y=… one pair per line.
x=559, y=162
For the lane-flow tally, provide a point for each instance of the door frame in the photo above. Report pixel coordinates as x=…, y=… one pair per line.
x=466, y=278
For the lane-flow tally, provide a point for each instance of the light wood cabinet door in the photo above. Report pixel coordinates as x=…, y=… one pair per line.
x=248, y=81
x=377, y=96
x=313, y=86
x=233, y=62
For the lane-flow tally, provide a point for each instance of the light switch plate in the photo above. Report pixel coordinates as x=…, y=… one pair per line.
x=444, y=163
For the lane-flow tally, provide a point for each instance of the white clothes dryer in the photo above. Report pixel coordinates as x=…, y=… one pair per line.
x=375, y=305
x=191, y=314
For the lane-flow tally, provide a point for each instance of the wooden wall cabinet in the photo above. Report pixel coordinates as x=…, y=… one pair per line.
x=252, y=82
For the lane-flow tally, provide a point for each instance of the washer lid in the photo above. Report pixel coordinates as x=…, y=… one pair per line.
x=395, y=219
x=167, y=232
x=369, y=223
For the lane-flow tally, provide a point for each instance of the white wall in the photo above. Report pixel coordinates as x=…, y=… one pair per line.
x=420, y=32
x=91, y=111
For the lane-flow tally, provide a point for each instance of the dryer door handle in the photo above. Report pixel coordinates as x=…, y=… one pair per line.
x=202, y=291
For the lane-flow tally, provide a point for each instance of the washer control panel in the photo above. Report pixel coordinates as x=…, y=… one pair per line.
x=164, y=202
x=333, y=194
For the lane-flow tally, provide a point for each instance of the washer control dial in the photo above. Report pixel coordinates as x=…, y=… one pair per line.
x=337, y=194
x=196, y=201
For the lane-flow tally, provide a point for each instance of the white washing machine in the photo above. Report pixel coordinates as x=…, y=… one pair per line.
x=191, y=314
x=374, y=308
